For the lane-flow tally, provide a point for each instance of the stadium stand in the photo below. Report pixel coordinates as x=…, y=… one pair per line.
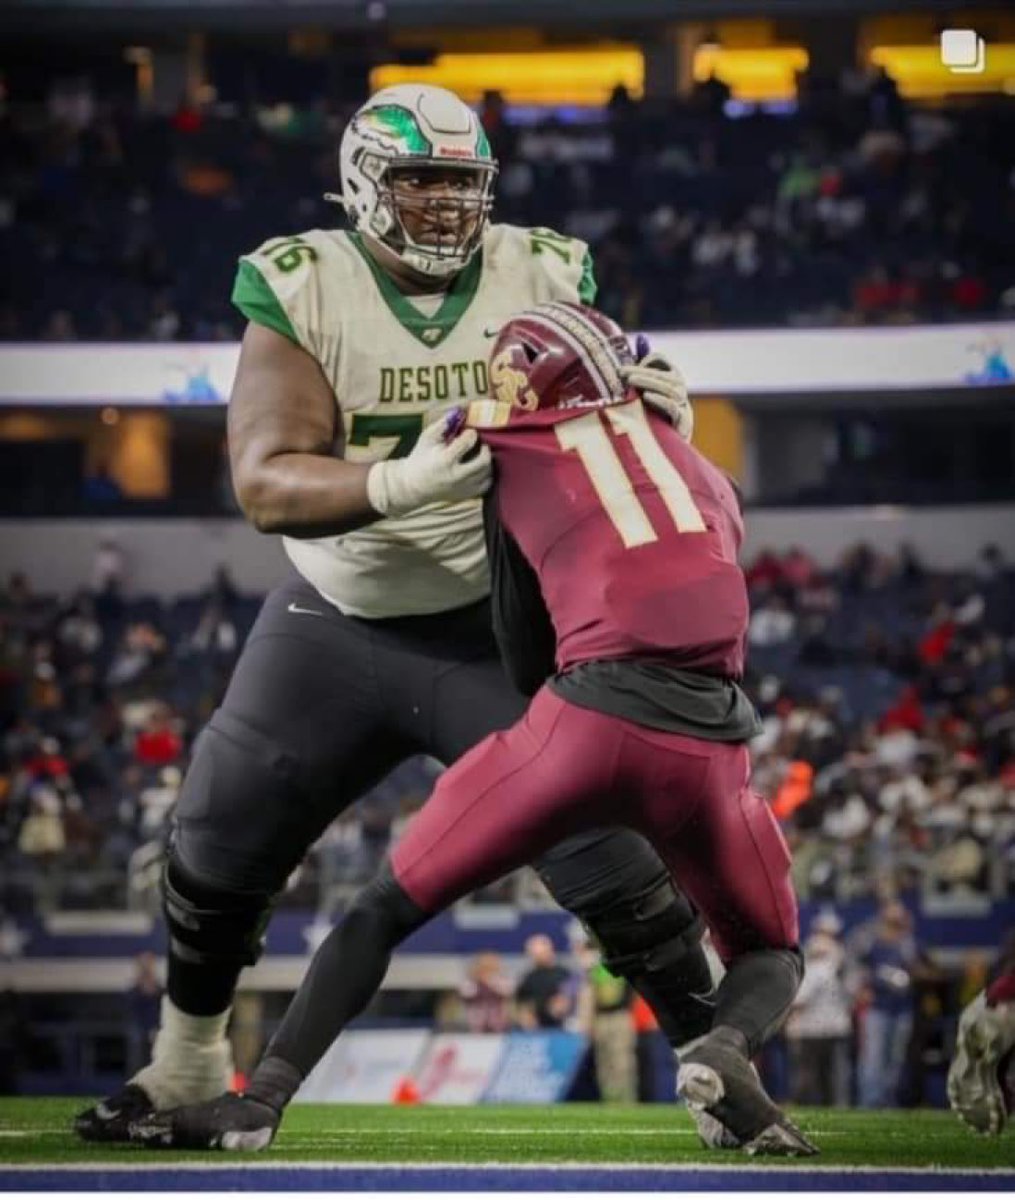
x=853, y=209
x=888, y=751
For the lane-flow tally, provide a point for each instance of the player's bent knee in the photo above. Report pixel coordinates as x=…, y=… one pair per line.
x=242, y=809
x=387, y=909
x=654, y=941
x=208, y=924
x=645, y=932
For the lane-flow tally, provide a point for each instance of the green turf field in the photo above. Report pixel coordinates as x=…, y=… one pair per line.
x=37, y=1131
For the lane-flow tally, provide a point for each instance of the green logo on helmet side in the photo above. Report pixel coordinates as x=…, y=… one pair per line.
x=397, y=123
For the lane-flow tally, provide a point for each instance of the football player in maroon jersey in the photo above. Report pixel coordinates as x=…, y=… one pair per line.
x=619, y=605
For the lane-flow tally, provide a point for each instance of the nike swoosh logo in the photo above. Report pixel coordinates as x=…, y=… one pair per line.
x=490, y=332
x=308, y=612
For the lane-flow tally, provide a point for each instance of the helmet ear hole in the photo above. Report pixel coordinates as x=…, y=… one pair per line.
x=531, y=352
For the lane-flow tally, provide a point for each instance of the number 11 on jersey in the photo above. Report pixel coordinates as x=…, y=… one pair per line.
x=588, y=437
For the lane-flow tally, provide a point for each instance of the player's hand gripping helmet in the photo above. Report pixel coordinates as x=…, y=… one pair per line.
x=560, y=355
x=399, y=139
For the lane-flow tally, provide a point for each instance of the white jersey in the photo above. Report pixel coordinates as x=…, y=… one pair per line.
x=396, y=363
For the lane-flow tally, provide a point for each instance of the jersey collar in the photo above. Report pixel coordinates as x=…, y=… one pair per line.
x=431, y=331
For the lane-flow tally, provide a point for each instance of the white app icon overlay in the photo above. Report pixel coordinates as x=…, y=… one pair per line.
x=963, y=51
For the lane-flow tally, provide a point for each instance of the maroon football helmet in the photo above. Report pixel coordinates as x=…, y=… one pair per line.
x=559, y=356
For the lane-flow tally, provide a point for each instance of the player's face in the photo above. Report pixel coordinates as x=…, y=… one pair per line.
x=438, y=206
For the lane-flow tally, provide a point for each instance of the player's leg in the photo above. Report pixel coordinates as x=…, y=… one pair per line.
x=618, y=887
x=981, y=1078
x=610, y=879
x=298, y=737
x=731, y=859
x=506, y=800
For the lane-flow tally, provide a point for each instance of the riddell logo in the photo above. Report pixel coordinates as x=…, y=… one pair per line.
x=453, y=152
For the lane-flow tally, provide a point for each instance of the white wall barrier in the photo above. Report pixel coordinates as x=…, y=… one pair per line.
x=722, y=362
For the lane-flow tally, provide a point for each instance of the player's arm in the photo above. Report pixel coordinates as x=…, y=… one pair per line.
x=283, y=433
x=282, y=438
x=521, y=622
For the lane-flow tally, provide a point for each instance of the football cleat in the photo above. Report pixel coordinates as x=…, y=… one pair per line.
x=110, y=1120
x=717, y=1078
x=230, y=1122
x=981, y=1077
x=712, y=1133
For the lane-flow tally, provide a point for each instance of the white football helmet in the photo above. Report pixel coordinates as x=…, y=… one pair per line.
x=417, y=127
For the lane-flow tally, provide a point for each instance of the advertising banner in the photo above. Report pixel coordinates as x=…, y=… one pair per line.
x=457, y=1067
x=364, y=1067
x=536, y=1068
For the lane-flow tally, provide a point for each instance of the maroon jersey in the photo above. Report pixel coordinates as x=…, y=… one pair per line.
x=633, y=534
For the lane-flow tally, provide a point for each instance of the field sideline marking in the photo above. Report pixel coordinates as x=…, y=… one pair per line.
x=236, y=1164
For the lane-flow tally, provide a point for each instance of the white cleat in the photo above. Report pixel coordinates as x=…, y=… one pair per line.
x=975, y=1087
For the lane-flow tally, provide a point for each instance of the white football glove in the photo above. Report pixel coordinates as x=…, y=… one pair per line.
x=661, y=386
x=433, y=471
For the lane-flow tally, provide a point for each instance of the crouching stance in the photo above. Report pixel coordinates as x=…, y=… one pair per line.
x=619, y=603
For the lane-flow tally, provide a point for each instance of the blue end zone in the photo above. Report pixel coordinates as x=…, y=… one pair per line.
x=451, y=1178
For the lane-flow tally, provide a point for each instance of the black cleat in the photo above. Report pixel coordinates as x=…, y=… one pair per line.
x=110, y=1119
x=229, y=1122
x=717, y=1078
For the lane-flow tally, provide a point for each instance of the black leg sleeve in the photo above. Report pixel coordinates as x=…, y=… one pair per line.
x=345, y=973
x=756, y=994
x=647, y=930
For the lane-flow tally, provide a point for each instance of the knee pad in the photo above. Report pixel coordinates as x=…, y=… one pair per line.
x=654, y=941
x=208, y=924
x=243, y=813
x=646, y=932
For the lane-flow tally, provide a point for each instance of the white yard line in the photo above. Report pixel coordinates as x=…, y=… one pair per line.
x=232, y=1164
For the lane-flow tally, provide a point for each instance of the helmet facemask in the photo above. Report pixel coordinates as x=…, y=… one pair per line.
x=437, y=230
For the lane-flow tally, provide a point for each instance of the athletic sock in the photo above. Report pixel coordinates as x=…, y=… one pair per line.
x=756, y=994
x=191, y=1058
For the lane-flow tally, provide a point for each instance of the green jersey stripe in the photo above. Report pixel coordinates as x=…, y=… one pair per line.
x=254, y=298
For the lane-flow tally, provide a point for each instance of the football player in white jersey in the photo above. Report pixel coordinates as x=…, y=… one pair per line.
x=378, y=646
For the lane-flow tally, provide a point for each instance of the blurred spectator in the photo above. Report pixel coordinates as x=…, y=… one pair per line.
x=99, y=487
x=604, y=1015
x=545, y=996
x=158, y=744
x=108, y=568
x=215, y=632
x=888, y=960
x=771, y=623
x=820, y=1025
x=486, y=995
x=142, y=647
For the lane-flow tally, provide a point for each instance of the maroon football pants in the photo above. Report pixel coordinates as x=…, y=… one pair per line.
x=562, y=769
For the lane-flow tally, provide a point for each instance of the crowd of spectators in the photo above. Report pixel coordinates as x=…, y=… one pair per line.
x=889, y=744
x=888, y=754
x=852, y=207
x=888, y=750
